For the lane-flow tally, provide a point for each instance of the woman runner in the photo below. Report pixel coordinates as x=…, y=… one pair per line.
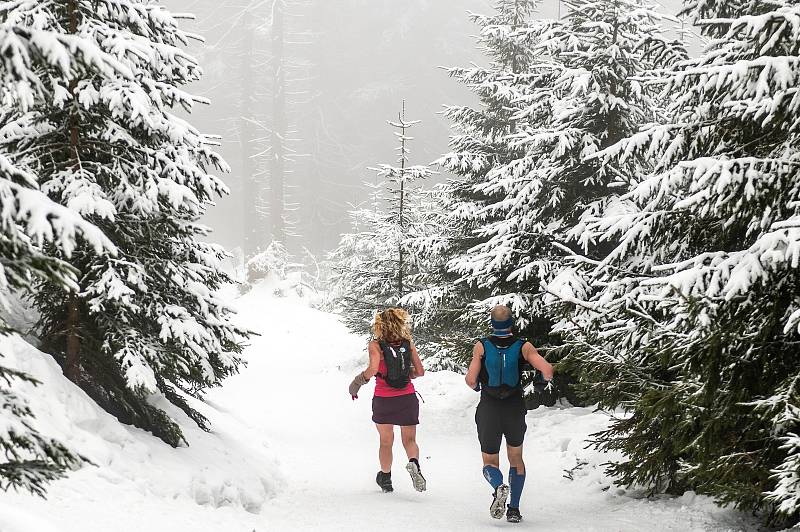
x=394, y=360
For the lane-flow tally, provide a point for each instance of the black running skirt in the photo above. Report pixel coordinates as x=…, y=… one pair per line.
x=402, y=410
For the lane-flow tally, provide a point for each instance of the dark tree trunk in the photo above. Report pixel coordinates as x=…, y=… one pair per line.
x=72, y=365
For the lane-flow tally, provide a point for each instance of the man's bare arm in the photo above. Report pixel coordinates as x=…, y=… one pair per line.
x=537, y=361
x=474, y=366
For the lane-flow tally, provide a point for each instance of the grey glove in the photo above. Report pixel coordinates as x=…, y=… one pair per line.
x=356, y=385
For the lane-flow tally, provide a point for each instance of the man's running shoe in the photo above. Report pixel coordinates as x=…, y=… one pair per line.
x=498, y=507
x=513, y=515
x=416, y=475
x=384, y=480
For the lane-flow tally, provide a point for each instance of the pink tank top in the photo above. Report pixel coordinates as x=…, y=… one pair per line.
x=384, y=390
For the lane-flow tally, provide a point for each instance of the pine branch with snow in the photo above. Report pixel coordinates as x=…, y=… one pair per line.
x=30, y=460
x=109, y=147
x=376, y=265
x=29, y=221
x=694, y=322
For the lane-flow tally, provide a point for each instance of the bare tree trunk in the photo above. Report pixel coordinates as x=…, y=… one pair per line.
x=72, y=365
x=402, y=197
x=279, y=126
x=250, y=217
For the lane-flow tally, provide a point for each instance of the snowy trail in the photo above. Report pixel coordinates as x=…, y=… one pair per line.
x=291, y=451
x=294, y=393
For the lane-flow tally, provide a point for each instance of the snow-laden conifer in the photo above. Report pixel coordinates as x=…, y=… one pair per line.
x=374, y=266
x=695, y=323
x=109, y=146
x=557, y=93
x=28, y=221
x=480, y=144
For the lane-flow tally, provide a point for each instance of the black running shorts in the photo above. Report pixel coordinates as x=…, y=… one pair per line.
x=500, y=417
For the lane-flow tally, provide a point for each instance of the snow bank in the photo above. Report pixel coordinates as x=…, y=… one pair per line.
x=220, y=469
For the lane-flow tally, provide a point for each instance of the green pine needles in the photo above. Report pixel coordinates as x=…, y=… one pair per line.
x=690, y=327
x=105, y=142
x=639, y=209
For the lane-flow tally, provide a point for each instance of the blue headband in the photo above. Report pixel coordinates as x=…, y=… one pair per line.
x=502, y=325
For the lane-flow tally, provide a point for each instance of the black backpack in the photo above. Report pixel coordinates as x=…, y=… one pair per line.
x=398, y=364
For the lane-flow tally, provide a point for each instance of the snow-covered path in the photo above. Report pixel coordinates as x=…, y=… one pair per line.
x=294, y=393
x=291, y=451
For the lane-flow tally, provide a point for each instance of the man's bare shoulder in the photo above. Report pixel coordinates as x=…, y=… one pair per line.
x=477, y=348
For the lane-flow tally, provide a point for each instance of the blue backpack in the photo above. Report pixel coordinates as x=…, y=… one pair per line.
x=501, y=370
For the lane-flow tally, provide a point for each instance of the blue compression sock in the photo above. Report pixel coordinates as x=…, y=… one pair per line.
x=493, y=475
x=516, y=483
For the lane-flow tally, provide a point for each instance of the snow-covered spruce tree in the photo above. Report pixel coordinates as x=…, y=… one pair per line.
x=481, y=143
x=373, y=266
x=524, y=187
x=694, y=326
x=28, y=219
x=364, y=264
x=146, y=321
x=581, y=95
x=428, y=240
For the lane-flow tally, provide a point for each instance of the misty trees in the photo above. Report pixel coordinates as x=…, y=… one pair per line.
x=248, y=88
x=269, y=134
x=373, y=266
x=107, y=146
x=260, y=64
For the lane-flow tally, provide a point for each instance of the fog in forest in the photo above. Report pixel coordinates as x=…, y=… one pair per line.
x=319, y=80
x=570, y=228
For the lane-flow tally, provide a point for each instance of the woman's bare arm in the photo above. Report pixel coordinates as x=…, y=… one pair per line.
x=474, y=366
x=374, y=360
x=417, y=369
x=537, y=361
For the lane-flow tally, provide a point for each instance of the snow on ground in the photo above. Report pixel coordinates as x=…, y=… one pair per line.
x=291, y=451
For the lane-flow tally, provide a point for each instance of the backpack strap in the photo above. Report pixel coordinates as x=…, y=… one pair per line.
x=521, y=343
x=520, y=358
x=483, y=374
x=383, y=346
x=483, y=344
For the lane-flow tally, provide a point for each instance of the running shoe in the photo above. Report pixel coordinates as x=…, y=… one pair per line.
x=513, y=515
x=384, y=480
x=416, y=475
x=498, y=507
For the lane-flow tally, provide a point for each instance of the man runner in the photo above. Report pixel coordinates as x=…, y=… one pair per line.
x=495, y=370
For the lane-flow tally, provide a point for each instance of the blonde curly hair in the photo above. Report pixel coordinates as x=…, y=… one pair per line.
x=391, y=325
